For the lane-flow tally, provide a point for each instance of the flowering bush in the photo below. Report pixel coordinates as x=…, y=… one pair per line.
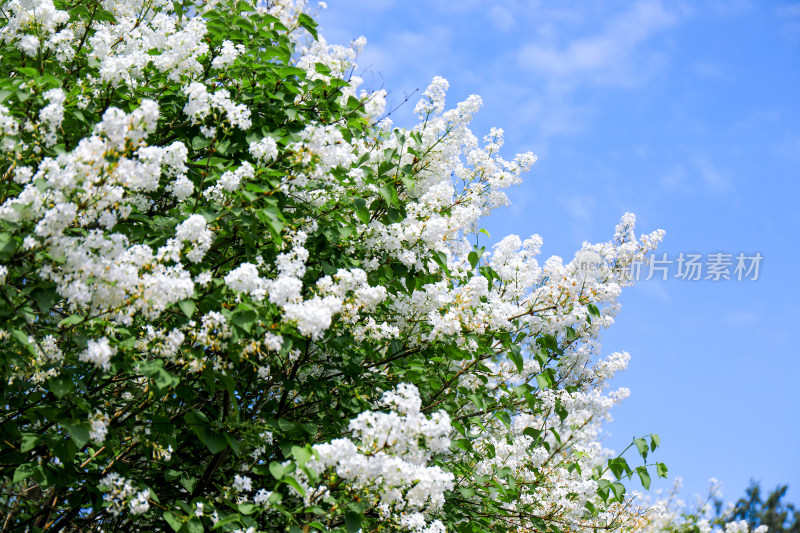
x=234, y=297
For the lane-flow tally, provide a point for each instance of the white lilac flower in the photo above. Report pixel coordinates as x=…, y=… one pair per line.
x=242, y=483
x=98, y=352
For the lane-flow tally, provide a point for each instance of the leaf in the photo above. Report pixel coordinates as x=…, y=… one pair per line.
x=161, y=378
x=308, y=23
x=60, y=386
x=543, y=380
x=244, y=319
x=78, y=434
x=23, y=471
x=532, y=433
x=388, y=193
x=233, y=517
x=188, y=483
x=199, y=424
x=276, y=469
x=71, y=319
x=641, y=445
x=172, y=475
x=164, y=380
x=293, y=483
x=661, y=468
x=655, y=441
x=302, y=455
x=361, y=210
x=503, y=417
x=603, y=488
x=619, y=490
x=173, y=521
x=29, y=442
x=644, y=476
x=515, y=355
x=45, y=299
x=619, y=467
x=246, y=508
x=187, y=306
x=352, y=522
x=194, y=526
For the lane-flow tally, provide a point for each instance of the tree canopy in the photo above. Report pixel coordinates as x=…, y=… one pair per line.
x=234, y=297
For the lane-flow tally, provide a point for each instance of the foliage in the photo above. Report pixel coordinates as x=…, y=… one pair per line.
x=234, y=297
x=777, y=515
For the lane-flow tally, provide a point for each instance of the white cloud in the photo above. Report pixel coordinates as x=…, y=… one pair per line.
x=697, y=175
x=739, y=319
x=715, y=180
x=502, y=18
x=579, y=207
x=616, y=55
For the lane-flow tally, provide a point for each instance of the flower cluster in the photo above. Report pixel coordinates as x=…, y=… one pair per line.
x=225, y=275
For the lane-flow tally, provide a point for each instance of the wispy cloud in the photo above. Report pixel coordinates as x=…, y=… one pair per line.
x=741, y=318
x=698, y=175
x=616, y=55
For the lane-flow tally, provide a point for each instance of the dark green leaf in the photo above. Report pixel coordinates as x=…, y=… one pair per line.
x=23, y=471
x=78, y=434
x=352, y=521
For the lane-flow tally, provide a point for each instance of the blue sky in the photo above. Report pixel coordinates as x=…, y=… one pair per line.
x=688, y=115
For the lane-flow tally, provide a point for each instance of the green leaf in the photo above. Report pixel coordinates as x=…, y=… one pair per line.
x=389, y=194
x=45, y=299
x=352, y=522
x=164, y=380
x=644, y=476
x=172, y=475
x=187, y=306
x=619, y=467
x=474, y=257
x=302, y=455
x=29, y=442
x=161, y=378
x=60, y=386
x=604, y=488
x=173, y=521
x=193, y=526
x=23, y=471
x=246, y=508
x=619, y=490
x=308, y=23
x=229, y=519
x=503, y=417
x=199, y=424
x=655, y=441
x=661, y=468
x=293, y=482
x=532, y=433
x=276, y=469
x=244, y=319
x=71, y=319
x=78, y=434
x=641, y=445
x=188, y=483
x=543, y=380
